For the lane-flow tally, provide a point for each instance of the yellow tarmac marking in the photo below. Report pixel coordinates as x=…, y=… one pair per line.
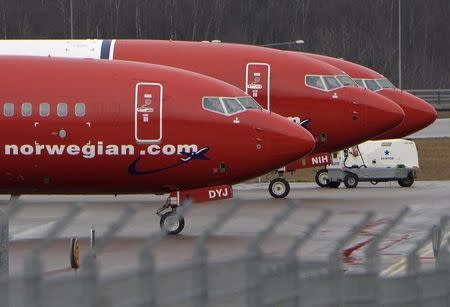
x=401, y=265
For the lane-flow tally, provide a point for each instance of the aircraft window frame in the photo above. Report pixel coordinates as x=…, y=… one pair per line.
x=385, y=81
x=80, y=109
x=374, y=82
x=26, y=109
x=227, y=108
x=353, y=83
x=44, y=109
x=339, y=85
x=255, y=106
x=361, y=81
x=8, y=109
x=223, y=112
x=62, y=109
x=324, y=89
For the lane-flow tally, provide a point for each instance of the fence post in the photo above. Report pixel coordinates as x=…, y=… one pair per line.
x=200, y=255
x=373, y=256
x=147, y=265
x=254, y=278
x=335, y=257
x=89, y=268
x=33, y=266
x=291, y=254
x=5, y=217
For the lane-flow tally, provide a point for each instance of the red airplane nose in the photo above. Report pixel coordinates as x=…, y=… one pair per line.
x=288, y=141
x=382, y=114
x=418, y=114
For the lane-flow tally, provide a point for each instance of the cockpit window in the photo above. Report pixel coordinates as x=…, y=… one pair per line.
x=331, y=82
x=315, y=81
x=232, y=105
x=385, y=83
x=372, y=85
x=359, y=82
x=213, y=104
x=346, y=80
x=249, y=103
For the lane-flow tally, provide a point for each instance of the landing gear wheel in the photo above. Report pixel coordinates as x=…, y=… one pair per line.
x=74, y=255
x=334, y=185
x=279, y=188
x=171, y=223
x=351, y=181
x=407, y=182
x=321, y=178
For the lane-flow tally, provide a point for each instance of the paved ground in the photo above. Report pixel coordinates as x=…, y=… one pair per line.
x=428, y=202
x=439, y=129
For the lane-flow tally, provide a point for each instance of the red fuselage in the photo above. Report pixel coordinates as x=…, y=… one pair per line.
x=91, y=126
x=418, y=113
x=337, y=117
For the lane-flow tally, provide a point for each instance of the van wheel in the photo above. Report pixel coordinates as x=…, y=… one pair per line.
x=407, y=182
x=334, y=184
x=351, y=181
x=321, y=178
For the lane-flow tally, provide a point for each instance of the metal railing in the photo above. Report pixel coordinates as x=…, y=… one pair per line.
x=253, y=279
x=439, y=98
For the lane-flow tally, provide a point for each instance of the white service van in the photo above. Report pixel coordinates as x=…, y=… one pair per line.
x=372, y=161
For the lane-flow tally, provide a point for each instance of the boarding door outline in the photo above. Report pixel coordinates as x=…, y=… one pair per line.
x=257, y=82
x=148, y=113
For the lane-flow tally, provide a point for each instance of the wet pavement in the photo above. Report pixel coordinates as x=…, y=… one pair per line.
x=428, y=202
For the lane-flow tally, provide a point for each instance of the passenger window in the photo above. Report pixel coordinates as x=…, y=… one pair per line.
x=232, y=105
x=27, y=109
x=346, y=81
x=249, y=103
x=331, y=83
x=8, y=109
x=360, y=83
x=61, y=109
x=315, y=81
x=372, y=85
x=44, y=109
x=213, y=104
x=80, y=109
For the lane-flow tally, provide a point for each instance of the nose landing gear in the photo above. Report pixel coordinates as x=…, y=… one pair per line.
x=279, y=187
x=171, y=222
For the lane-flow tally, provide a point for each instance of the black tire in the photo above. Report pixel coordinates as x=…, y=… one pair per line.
x=334, y=184
x=320, y=177
x=279, y=188
x=176, y=226
x=351, y=181
x=407, y=182
x=74, y=254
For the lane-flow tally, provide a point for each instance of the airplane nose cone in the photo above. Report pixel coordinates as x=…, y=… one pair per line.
x=288, y=141
x=418, y=114
x=382, y=114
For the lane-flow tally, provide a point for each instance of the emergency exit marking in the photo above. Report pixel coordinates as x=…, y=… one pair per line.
x=258, y=83
x=148, y=112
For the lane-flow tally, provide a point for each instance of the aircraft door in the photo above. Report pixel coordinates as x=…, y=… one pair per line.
x=257, y=83
x=148, y=113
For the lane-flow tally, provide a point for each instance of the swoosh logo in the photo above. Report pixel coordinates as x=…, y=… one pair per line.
x=198, y=155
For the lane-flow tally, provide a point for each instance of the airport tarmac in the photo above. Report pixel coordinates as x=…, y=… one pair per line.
x=439, y=129
x=428, y=202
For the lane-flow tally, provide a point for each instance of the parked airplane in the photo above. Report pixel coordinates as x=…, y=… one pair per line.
x=418, y=113
x=81, y=126
x=305, y=90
